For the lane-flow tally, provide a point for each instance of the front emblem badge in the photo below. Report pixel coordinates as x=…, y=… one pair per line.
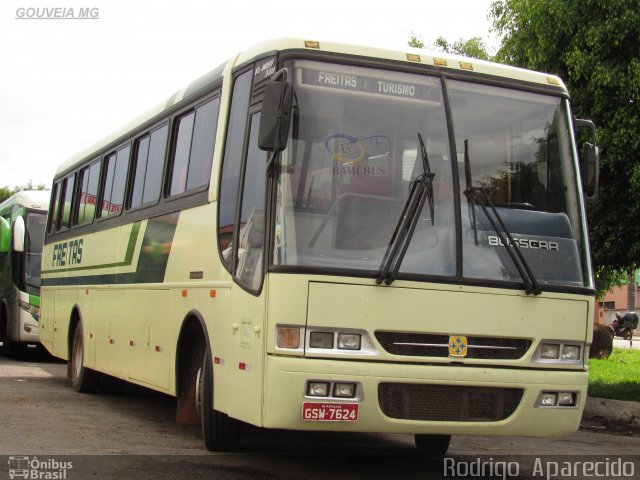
x=457, y=346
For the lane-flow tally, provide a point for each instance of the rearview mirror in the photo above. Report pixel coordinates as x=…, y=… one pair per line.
x=275, y=117
x=18, y=234
x=590, y=169
x=589, y=161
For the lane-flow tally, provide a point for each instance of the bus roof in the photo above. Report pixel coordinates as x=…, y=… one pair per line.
x=439, y=60
x=32, y=199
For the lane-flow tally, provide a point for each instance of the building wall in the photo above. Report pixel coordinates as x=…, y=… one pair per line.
x=614, y=301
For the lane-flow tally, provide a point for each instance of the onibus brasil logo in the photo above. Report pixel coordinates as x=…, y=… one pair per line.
x=34, y=468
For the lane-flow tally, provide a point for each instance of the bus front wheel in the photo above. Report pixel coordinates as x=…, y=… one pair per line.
x=83, y=379
x=433, y=445
x=220, y=432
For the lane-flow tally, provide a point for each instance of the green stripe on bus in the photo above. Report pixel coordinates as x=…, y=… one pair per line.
x=34, y=300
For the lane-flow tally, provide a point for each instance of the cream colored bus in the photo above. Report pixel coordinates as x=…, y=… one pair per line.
x=317, y=236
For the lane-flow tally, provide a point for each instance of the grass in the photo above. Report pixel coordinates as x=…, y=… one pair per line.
x=617, y=377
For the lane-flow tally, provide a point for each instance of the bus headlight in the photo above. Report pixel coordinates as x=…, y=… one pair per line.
x=550, y=351
x=321, y=340
x=557, y=351
x=349, y=341
x=570, y=352
x=33, y=310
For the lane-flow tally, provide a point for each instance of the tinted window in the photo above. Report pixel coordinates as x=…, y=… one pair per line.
x=88, y=193
x=115, y=181
x=251, y=236
x=181, y=156
x=204, y=133
x=55, y=207
x=142, y=152
x=229, y=178
x=69, y=183
x=155, y=163
x=194, y=148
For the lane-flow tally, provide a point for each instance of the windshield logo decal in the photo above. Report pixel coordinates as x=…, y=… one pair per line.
x=550, y=246
x=349, y=151
x=458, y=346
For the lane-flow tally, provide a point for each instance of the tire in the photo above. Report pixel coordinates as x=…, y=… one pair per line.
x=84, y=380
x=433, y=445
x=220, y=432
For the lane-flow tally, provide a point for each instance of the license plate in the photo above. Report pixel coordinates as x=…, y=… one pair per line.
x=329, y=412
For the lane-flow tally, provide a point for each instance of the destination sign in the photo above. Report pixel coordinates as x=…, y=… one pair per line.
x=378, y=86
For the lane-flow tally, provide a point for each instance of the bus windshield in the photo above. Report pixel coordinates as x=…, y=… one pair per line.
x=357, y=147
x=34, y=238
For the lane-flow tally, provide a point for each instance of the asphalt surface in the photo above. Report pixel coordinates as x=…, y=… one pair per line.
x=134, y=435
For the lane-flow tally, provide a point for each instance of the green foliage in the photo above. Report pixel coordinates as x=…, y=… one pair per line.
x=617, y=377
x=473, y=47
x=6, y=192
x=415, y=41
x=594, y=45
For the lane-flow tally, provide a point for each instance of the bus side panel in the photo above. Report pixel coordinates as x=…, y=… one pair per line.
x=65, y=300
x=238, y=344
x=146, y=336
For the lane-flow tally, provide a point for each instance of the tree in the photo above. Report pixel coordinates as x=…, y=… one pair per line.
x=6, y=192
x=594, y=45
x=474, y=47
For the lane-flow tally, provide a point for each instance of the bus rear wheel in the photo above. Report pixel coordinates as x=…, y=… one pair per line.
x=220, y=432
x=83, y=379
x=433, y=445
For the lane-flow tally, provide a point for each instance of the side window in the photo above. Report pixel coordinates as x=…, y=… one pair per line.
x=250, y=256
x=193, y=151
x=89, y=177
x=230, y=176
x=149, y=161
x=67, y=198
x=115, y=176
x=54, y=210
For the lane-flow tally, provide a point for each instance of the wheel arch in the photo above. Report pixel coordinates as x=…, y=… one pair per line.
x=4, y=319
x=74, y=319
x=193, y=326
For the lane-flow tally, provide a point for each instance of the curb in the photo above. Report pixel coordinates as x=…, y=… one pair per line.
x=612, y=410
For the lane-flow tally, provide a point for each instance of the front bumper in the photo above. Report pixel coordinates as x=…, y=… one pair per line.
x=286, y=379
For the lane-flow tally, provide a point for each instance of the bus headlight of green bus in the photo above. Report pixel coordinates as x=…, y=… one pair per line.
x=33, y=310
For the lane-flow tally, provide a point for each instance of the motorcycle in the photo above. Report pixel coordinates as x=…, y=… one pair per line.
x=624, y=326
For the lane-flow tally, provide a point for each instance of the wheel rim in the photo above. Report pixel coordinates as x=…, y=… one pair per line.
x=199, y=391
x=78, y=353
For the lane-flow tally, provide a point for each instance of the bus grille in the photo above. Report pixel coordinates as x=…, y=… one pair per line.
x=450, y=403
x=432, y=345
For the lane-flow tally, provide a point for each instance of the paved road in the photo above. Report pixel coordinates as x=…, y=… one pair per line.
x=133, y=435
x=620, y=343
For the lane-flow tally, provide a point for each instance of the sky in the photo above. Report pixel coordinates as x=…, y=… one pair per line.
x=67, y=83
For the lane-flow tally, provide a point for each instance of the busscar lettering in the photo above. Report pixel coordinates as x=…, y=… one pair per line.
x=67, y=253
x=526, y=243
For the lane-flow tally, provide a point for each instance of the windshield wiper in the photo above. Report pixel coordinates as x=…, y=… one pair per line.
x=420, y=190
x=479, y=196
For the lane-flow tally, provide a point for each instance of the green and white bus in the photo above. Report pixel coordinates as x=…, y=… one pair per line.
x=317, y=236
x=23, y=218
